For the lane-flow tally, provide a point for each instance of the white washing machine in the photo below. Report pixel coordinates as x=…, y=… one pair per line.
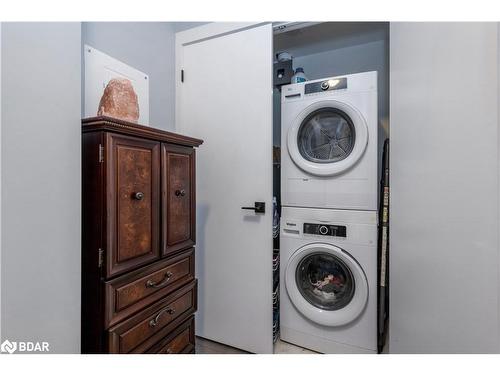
x=329, y=143
x=328, y=294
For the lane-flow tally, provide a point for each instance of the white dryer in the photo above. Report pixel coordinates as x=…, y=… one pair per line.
x=328, y=294
x=329, y=143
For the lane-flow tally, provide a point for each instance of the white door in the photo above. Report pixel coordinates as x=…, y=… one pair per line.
x=224, y=96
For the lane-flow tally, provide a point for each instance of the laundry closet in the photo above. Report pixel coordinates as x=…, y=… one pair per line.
x=328, y=129
x=227, y=94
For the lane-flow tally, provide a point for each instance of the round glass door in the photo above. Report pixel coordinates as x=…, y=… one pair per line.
x=325, y=281
x=327, y=138
x=327, y=135
x=326, y=284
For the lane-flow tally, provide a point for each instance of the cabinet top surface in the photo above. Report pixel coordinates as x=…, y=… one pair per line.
x=104, y=123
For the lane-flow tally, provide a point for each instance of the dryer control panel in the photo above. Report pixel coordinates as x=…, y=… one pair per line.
x=327, y=85
x=325, y=230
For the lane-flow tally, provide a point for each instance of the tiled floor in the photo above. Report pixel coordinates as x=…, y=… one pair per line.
x=204, y=346
x=282, y=347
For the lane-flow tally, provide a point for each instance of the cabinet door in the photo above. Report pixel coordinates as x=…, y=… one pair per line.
x=178, y=177
x=133, y=196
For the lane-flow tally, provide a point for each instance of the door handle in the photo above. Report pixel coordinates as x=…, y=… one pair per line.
x=166, y=279
x=259, y=208
x=168, y=310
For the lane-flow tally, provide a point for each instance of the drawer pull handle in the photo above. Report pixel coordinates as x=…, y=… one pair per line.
x=168, y=310
x=162, y=282
x=180, y=193
x=139, y=195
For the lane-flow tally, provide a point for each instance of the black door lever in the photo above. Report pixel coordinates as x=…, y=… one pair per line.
x=259, y=208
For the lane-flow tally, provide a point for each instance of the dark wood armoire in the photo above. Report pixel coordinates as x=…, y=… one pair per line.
x=138, y=237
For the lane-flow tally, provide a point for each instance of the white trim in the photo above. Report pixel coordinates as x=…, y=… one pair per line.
x=284, y=27
x=324, y=317
x=329, y=169
x=498, y=182
x=212, y=30
x=1, y=179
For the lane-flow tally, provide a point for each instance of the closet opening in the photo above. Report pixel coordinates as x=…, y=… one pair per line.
x=327, y=129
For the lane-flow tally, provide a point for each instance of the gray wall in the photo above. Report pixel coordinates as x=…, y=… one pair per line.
x=149, y=47
x=444, y=188
x=40, y=145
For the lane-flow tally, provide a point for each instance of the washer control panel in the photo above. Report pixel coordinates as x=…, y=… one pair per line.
x=325, y=230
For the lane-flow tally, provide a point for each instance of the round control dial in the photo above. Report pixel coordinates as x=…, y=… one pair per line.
x=325, y=85
x=323, y=229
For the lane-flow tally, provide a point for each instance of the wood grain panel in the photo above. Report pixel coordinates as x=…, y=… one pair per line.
x=181, y=340
x=142, y=330
x=129, y=293
x=178, y=177
x=133, y=196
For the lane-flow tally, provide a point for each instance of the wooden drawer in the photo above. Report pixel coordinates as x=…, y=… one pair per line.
x=132, y=292
x=140, y=332
x=181, y=340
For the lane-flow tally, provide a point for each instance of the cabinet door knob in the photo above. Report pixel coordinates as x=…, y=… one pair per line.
x=181, y=192
x=138, y=195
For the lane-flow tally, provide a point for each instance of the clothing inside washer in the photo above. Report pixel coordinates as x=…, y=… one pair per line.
x=325, y=281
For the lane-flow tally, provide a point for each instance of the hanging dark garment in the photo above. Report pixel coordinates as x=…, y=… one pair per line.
x=383, y=252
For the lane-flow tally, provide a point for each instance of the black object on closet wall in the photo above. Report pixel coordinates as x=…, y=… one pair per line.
x=383, y=252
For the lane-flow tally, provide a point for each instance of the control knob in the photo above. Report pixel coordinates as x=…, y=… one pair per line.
x=323, y=230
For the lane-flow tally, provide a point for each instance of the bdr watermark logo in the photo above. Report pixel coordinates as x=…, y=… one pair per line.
x=24, y=346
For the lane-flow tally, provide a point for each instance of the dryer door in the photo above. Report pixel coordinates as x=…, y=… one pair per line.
x=326, y=284
x=327, y=138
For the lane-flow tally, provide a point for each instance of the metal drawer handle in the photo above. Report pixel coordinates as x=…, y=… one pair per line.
x=139, y=195
x=180, y=193
x=162, y=282
x=168, y=310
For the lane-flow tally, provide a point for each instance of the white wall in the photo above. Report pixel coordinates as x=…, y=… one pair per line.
x=444, y=261
x=0, y=178
x=40, y=165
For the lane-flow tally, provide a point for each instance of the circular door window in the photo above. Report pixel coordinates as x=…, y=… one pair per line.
x=326, y=284
x=325, y=281
x=327, y=138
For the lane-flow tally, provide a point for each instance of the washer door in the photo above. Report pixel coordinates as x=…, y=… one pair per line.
x=326, y=284
x=327, y=138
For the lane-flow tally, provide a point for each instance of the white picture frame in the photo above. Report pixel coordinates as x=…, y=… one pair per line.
x=100, y=68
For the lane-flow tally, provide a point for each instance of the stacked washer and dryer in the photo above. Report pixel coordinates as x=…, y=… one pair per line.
x=329, y=193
